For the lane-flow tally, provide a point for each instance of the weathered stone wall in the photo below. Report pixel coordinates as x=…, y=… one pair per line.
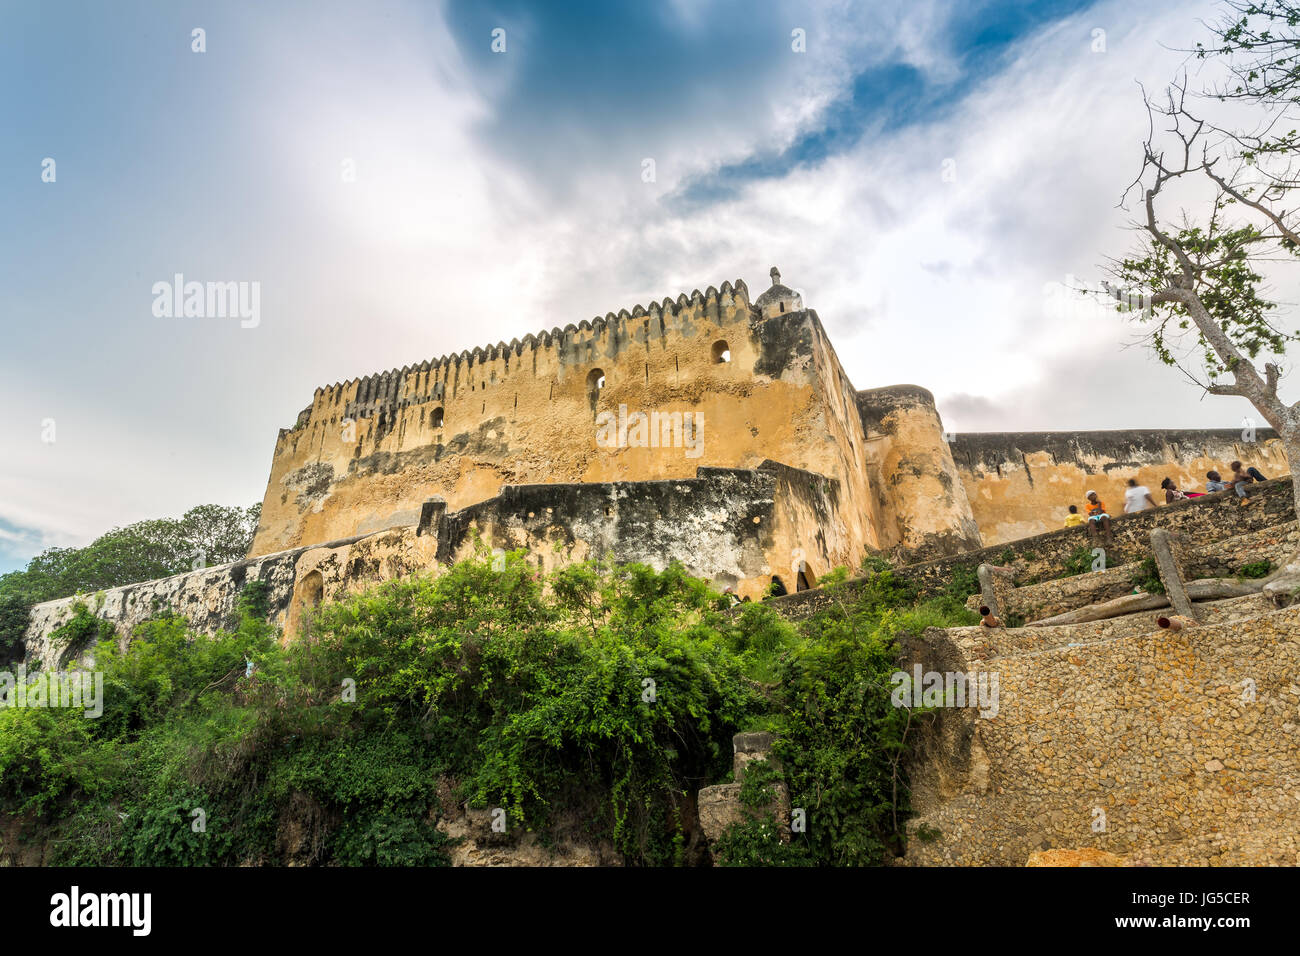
x=1021, y=484
x=1165, y=749
x=1213, y=520
x=918, y=481
x=1207, y=519
x=1219, y=559
x=463, y=426
x=722, y=525
x=206, y=598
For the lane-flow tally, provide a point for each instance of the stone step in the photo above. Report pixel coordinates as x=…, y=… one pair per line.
x=1222, y=558
x=1034, y=602
x=992, y=643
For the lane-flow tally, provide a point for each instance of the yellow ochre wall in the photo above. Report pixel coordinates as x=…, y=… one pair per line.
x=523, y=413
x=1022, y=484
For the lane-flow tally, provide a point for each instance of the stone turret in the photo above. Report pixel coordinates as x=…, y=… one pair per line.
x=914, y=472
x=779, y=299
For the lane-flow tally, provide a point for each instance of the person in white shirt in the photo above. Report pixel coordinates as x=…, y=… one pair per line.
x=1137, y=497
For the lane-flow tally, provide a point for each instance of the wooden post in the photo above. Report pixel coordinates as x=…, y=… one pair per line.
x=1171, y=575
x=989, y=589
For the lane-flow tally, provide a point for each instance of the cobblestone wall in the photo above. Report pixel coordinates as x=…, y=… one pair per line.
x=1165, y=749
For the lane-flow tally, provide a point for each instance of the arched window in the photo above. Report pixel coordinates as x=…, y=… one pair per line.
x=311, y=589
x=595, y=382
x=721, y=352
x=436, y=419
x=307, y=595
x=804, y=578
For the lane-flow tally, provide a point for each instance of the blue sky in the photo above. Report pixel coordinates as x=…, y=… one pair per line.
x=500, y=193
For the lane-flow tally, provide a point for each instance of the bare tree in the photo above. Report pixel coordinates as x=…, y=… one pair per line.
x=1203, y=272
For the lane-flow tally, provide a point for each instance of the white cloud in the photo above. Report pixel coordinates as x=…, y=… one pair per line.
x=447, y=241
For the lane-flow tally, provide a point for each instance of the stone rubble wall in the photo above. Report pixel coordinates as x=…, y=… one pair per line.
x=1212, y=518
x=1220, y=559
x=1154, y=730
x=986, y=643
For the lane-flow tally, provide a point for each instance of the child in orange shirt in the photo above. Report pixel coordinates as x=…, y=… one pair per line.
x=1098, y=518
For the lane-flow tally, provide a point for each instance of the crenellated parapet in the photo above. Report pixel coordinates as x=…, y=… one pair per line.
x=428, y=382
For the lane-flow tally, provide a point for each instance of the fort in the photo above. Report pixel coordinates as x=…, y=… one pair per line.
x=1103, y=738
x=786, y=471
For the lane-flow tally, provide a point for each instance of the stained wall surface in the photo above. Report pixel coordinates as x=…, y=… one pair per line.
x=721, y=524
x=918, y=485
x=717, y=382
x=366, y=454
x=1021, y=484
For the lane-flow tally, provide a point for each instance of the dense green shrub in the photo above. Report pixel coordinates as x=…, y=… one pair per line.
x=592, y=702
x=1256, y=569
x=79, y=633
x=1148, y=577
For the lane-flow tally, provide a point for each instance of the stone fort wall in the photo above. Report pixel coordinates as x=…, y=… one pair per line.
x=762, y=384
x=721, y=524
x=1020, y=484
x=1212, y=518
x=1163, y=749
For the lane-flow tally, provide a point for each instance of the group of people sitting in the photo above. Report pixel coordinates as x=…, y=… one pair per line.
x=1138, y=498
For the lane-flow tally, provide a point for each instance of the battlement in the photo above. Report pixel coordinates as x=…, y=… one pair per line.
x=758, y=379
x=427, y=381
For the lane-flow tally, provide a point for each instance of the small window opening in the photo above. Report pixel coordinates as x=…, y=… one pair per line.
x=313, y=588
x=595, y=382
x=721, y=352
x=436, y=420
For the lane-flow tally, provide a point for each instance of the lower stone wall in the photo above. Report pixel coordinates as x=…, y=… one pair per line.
x=735, y=527
x=206, y=598
x=1220, y=559
x=1216, y=517
x=1165, y=749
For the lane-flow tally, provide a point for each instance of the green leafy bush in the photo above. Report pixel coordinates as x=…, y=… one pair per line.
x=1256, y=569
x=592, y=702
x=1148, y=577
x=1079, y=561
